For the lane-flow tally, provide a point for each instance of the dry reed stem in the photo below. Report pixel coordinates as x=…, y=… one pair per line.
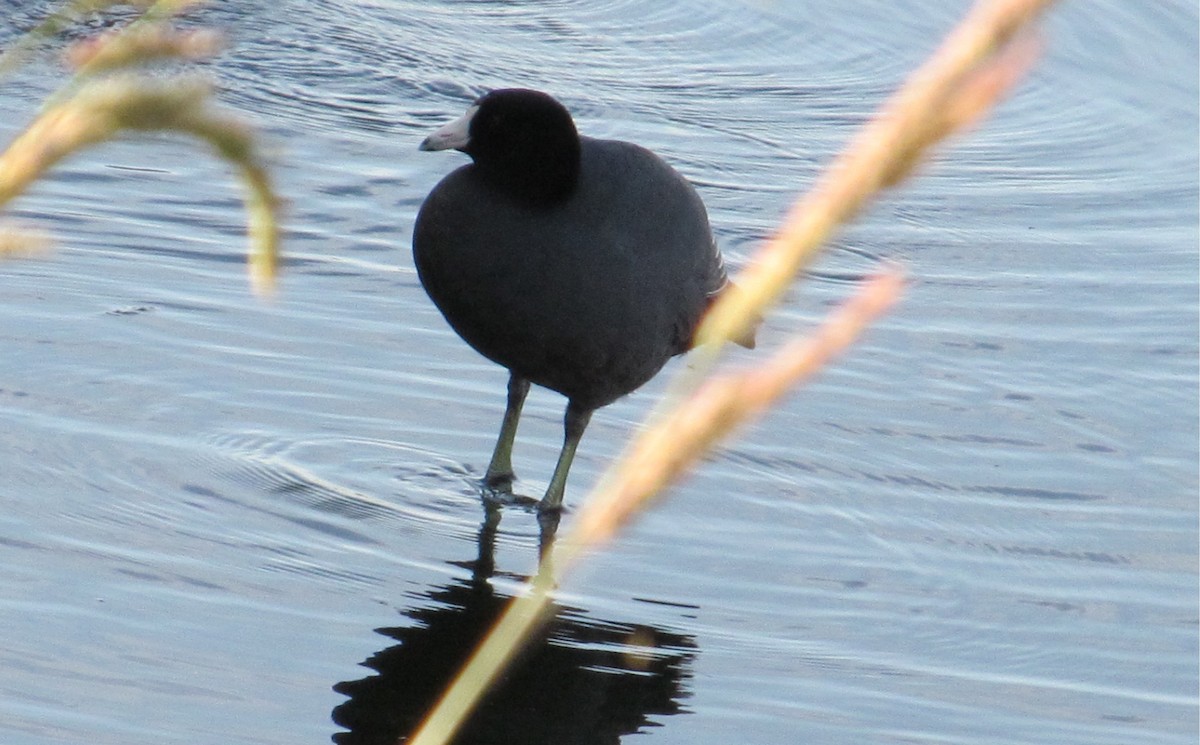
x=139, y=45
x=21, y=242
x=71, y=12
x=721, y=405
x=107, y=108
x=971, y=70
x=87, y=112
x=660, y=455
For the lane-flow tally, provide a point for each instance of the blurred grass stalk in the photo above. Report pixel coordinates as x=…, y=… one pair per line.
x=974, y=67
x=72, y=12
x=103, y=100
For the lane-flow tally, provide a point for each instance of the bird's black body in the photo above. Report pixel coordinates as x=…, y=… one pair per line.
x=589, y=296
x=581, y=265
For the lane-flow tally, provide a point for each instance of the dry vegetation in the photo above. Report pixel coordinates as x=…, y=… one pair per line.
x=109, y=95
x=975, y=66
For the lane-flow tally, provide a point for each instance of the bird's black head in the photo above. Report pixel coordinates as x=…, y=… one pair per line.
x=523, y=142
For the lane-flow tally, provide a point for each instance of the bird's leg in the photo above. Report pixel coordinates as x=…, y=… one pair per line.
x=500, y=474
x=574, y=423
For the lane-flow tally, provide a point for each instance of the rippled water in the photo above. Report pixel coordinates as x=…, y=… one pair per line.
x=229, y=521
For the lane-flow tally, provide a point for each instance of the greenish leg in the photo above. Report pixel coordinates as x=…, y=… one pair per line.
x=500, y=474
x=574, y=423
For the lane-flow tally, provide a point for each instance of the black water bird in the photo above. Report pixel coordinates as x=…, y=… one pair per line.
x=581, y=265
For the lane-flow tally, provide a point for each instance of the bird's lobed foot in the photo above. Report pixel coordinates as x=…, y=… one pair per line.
x=506, y=499
x=499, y=482
x=498, y=490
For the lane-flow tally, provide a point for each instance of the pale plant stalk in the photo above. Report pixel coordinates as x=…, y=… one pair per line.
x=140, y=44
x=660, y=455
x=976, y=65
x=70, y=12
x=91, y=110
x=980, y=60
x=15, y=241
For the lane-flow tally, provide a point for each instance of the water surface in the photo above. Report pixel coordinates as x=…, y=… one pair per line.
x=230, y=521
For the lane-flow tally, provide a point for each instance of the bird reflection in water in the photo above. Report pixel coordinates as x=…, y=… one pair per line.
x=582, y=681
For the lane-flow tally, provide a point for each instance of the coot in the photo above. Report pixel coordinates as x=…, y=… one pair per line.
x=579, y=264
